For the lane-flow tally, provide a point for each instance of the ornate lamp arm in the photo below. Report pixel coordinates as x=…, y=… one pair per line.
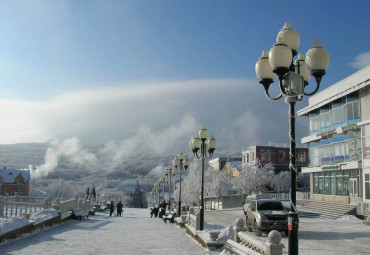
x=196, y=154
x=266, y=84
x=318, y=75
x=209, y=155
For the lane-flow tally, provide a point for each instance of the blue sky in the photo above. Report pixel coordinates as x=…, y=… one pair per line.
x=52, y=53
x=51, y=46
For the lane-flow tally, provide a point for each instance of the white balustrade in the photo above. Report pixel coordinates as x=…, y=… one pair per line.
x=16, y=206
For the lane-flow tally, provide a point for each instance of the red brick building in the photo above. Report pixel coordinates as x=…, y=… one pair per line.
x=279, y=156
x=14, y=181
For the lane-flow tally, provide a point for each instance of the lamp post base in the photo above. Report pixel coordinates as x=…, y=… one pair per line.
x=179, y=209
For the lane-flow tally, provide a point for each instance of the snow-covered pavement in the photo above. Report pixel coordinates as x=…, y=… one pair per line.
x=343, y=236
x=135, y=233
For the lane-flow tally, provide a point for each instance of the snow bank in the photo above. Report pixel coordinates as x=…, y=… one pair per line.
x=224, y=234
x=348, y=217
x=43, y=215
x=8, y=224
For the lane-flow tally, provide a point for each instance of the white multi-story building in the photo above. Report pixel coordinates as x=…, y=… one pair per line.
x=339, y=140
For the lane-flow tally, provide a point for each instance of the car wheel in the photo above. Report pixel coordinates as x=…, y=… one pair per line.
x=257, y=231
x=249, y=228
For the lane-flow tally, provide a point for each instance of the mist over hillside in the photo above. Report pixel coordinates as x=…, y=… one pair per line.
x=143, y=167
x=142, y=157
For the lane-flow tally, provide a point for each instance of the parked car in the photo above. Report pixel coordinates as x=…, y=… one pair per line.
x=264, y=215
x=249, y=198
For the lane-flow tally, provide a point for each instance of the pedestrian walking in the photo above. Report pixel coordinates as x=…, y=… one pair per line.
x=152, y=211
x=156, y=210
x=111, y=208
x=162, y=208
x=119, y=209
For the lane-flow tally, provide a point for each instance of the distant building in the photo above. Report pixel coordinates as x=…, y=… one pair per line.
x=339, y=140
x=278, y=156
x=14, y=181
x=232, y=168
x=139, y=197
x=219, y=163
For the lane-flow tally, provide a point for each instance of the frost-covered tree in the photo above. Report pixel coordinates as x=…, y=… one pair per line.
x=118, y=195
x=60, y=188
x=253, y=178
x=281, y=182
x=216, y=182
x=191, y=185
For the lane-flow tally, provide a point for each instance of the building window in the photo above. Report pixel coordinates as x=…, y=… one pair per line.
x=314, y=154
x=21, y=191
x=252, y=156
x=341, y=112
x=354, y=144
x=263, y=155
x=325, y=121
x=338, y=113
x=334, y=182
x=16, y=190
x=281, y=155
x=301, y=157
x=367, y=186
x=327, y=183
x=268, y=155
x=314, y=122
x=366, y=140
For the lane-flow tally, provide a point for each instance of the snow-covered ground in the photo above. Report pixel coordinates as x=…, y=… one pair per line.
x=43, y=215
x=343, y=236
x=8, y=224
x=135, y=233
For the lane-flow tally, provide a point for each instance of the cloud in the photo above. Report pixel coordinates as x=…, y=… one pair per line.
x=121, y=124
x=148, y=117
x=362, y=60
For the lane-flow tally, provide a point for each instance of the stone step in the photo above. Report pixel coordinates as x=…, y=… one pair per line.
x=332, y=209
x=329, y=204
x=328, y=210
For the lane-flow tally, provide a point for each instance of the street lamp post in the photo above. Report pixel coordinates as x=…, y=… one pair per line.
x=293, y=78
x=154, y=192
x=163, y=183
x=181, y=162
x=168, y=172
x=201, y=143
x=157, y=192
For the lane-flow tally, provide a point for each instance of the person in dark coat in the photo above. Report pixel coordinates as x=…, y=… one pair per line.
x=111, y=208
x=93, y=193
x=155, y=211
x=162, y=208
x=152, y=211
x=119, y=209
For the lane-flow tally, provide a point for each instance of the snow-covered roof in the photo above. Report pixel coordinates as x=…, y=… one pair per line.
x=235, y=164
x=9, y=175
x=39, y=193
x=340, y=89
x=125, y=188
